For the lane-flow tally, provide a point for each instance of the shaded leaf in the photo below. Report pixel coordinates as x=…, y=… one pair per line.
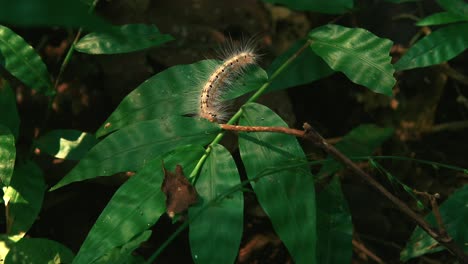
x=66, y=143
x=40, y=251
x=328, y=7
x=8, y=105
x=308, y=67
x=440, y=46
x=363, y=57
x=7, y=155
x=179, y=192
x=172, y=92
x=23, y=198
x=5, y=244
x=334, y=226
x=401, y=1
x=458, y=7
x=123, y=254
x=221, y=243
x=454, y=212
x=135, y=207
x=125, y=38
x=361, y=141
x=286, y=196
x=439, y=19
x=132, y=147
x=250, y=80
x=70, y=13
x=22, y=61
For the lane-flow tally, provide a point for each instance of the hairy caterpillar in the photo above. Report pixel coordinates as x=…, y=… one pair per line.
x=236, y=60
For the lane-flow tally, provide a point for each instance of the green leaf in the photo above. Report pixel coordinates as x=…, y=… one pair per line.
x=23, y=198
x=328, y=7
x=334, y=226
x=38, y=250
x=7, y=155
x=221, y=244
x=5, y=244
x=70, y=13
x=401, y=1
x=286, y=196
x=8, y=105
x=251, y=80
x=440, y=46
x=454, y=212
x=131, y=37
x=359, y=54
x=123, y=254
x=66, y=143
x=132, y=147
x=136, y=205
x=457, y=7
x=308, y=67
x=172, y=92
x=22, y=61
x=361, y=141
x=439, y=19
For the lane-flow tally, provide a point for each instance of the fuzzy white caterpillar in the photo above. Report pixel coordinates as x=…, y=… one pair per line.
x=235, y=62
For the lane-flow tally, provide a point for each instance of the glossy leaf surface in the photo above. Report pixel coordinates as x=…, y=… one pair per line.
x=334, y=226
x=454, y=212
x=38, y=250
x=8, y=105
x=22, y=61
x=125, y=38
x=458, y=7
x=24, y=198
x=66, y=143
x=440, y=46
x=7, y=155
x=287, y=196
x=136, y=206
x=363, y=57
x=439, y=19
x=132, y=147
x=220, y=244
x=329, y=7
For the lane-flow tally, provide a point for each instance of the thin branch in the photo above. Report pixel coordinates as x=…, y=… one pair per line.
x=366, y=251
x=310, y=134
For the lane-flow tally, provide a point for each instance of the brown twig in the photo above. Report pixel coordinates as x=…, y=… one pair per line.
x=358, y=245
x=435, y=209
x=310, y=134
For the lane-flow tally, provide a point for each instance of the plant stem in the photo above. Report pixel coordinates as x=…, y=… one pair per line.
x=238, y=114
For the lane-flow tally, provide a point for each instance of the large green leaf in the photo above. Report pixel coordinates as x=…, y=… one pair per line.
x=38, y=251
x=440, y=46
x=123, y=254
x=5, y=244
x=7, y=155
x=70, y=13
x=250, y=80
x=136, y=206
x=9, y=116
x=174, y=91
x=308, y=67
x=454, y=213
x=287, y=196
x=22, y=61
x=329, y=7
x=439, y=19
x=334, y=226
x=361, y=141
x=131, y=37
x=132, y=147
x=363, y=57
x=23, y=198
x=66, y=143
x=221, y=244
x=458, y=7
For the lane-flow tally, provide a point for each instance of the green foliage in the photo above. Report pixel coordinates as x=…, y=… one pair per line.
x=123, y=39
x=439, y=19
x=22, y=61
x=218, y=175
x=440, y=46
x=359, y=54
x=457, y=7
x=38, y=251
x=287, y=197
x=7, y=155
x=8, y=105
x=334, y=226
x=66, y=143
x=329, y=7
x=454, y=212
